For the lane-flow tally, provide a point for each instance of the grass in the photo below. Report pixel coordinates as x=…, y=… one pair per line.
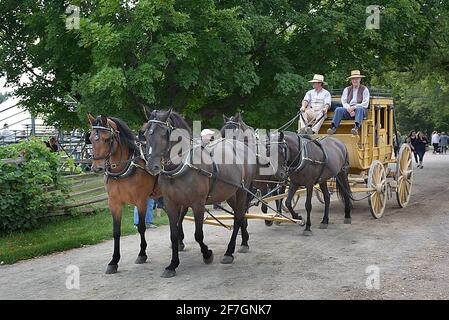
x=63, y=233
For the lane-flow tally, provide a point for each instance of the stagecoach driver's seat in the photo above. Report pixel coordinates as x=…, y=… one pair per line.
x=355, y=101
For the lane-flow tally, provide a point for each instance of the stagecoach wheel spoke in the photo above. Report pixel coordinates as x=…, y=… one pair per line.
x=404, y=175
x=377, y=178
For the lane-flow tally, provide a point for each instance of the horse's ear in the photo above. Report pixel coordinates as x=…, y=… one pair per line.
x=146, y=112
x=225, y=118
x=91, y=118
x=104, y=120
x=237, y=117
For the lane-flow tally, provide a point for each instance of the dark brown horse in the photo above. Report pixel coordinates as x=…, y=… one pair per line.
x=271, y=171
x=315, y=162
x=193, y=176
x=115, y=153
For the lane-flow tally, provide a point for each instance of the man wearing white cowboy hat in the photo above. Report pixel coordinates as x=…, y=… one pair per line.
x=355, y=100
x=207, y=135
x=314, y=106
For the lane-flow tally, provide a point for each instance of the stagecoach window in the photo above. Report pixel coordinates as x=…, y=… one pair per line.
x=382, y=117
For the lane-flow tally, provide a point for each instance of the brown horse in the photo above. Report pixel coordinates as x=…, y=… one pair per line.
x=116, y=153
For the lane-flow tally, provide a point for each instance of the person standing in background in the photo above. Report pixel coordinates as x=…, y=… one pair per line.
x=148, y=216
x=444, y=140
x=435, y=141
x=411, y=139
x=421, y=144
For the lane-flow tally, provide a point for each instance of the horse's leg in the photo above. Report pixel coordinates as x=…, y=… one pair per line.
x=244, y=247
x=307, y=231
x=173, y=216
x=142, y=209
x=327, y=200
x=288, y=202
x=346, y=188
x=239, y=212
x=116, y=212
x=208, y=255
x=182, y=214
x=279, y=202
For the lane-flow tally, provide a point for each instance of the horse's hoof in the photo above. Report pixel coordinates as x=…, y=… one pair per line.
x=268, y=223
x=112, y=268
x=141, y=259
x=227, y=259
x=181, y=247
x=307, y=233
x=168, y=273
x=347, y=220
x=244, y=249
x=209, y=259
x=323, y=225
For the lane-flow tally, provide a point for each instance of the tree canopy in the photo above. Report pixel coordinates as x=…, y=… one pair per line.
x=210, y=57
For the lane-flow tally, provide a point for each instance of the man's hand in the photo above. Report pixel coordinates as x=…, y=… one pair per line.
x=302, y=109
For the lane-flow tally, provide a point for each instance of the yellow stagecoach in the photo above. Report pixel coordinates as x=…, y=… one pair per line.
x=372, y=150
x=375, y=171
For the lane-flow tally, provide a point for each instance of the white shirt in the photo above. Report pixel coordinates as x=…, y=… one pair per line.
x=6, y=135
x=365, y=101
x=318, y=99
x=435, y=138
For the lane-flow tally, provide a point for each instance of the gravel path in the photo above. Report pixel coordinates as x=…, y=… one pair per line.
x=408, y=247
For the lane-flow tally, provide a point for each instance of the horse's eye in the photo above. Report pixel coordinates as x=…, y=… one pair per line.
x=97, y=136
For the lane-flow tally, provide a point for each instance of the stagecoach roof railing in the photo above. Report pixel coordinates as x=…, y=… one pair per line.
x=374, y=92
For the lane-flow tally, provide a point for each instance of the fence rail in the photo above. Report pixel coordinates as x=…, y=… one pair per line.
x=13, y=160
x=86, y=188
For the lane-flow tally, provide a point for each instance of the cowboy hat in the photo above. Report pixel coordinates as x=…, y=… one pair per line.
x=318, y=78
x=207, y=132
x=355, y=74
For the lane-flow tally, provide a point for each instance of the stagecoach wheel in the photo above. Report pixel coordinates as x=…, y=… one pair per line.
x=404, y=175
x=377, y=179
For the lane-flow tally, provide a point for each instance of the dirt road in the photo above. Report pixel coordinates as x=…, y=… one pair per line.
x=406, y=253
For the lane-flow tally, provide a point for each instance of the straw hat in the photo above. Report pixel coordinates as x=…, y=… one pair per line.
x=318, y=78
x=207, y=132
x=355, y=74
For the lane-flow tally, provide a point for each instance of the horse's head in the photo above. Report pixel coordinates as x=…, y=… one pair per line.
x=282, y=157
x=103, y=134
x=157, y=133
x=277, y=154
x=235, y=128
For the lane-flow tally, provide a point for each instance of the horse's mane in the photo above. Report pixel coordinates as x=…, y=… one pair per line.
x=126, y=135
x=178, y=121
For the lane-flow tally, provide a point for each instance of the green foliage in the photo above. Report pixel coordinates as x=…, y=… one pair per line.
x=210, y=57
x=23, y=186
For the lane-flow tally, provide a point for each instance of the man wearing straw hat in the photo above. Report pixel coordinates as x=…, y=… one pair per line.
x=355, y=100
x=314, y=106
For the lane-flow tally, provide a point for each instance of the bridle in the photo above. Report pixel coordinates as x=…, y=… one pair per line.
x=168, y=131
x=112, y=137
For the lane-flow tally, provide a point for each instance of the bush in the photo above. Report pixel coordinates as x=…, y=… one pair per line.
x=24, y=187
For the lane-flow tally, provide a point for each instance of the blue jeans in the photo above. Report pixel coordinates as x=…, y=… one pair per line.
x=148, y=215
x=343, y=114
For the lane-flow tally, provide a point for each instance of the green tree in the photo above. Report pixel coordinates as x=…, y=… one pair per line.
x=205, y=58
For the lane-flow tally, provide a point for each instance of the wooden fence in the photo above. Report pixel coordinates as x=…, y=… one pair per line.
x=86, y=191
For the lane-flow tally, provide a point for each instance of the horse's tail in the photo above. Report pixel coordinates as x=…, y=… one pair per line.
x=342, y=183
